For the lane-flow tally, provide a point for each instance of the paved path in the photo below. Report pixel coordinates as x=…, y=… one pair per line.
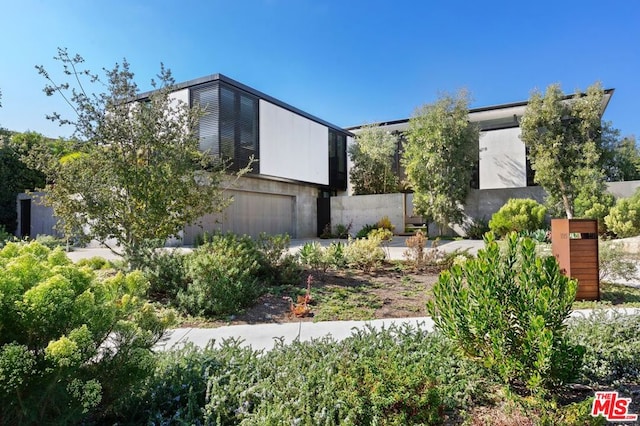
x=264, y=336
x=396, y=248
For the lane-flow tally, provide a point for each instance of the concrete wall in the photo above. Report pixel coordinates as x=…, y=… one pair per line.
x=623, y=189
x=480, y=203
x=292, y=146
x=264, y=201
x=361, y=210
x=42, y=219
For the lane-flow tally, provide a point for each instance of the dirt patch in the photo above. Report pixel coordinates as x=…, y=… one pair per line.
x=388, y=292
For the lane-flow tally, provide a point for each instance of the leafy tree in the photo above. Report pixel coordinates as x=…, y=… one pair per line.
x=441, y=151
x=564, y=138
x=620, y=157
x=373, y=158
x=15, y=175
x=138, y=176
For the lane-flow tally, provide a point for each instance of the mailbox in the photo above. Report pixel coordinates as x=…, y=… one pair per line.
x=574, y=243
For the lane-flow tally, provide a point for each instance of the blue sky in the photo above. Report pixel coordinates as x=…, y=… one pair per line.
x=348, y=62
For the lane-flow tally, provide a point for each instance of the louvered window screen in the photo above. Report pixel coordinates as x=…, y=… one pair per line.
x=337, y=160
x=230, y=130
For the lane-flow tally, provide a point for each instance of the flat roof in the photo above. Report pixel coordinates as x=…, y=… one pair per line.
x=488, y=109
x=223, y=78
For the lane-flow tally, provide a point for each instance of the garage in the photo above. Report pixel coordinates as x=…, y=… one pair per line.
x=250, y=213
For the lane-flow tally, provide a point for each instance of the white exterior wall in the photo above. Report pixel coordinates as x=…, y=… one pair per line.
x=502, y=159
x=292, y=147
x=180, y=95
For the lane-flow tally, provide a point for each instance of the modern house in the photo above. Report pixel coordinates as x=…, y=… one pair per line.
x=502, y=161
x=300, y=159
x=502, y=172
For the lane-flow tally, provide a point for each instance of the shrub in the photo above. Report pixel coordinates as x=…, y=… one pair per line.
x=166, y=272
x=5, y=236
x=223, y=275
x=418, y=255
x=400, y=375
x=95, y=263
x=278, y=265
x=476, y=228
x=312, y=255
x=615, y=263
x=334, y=255
x=507, y=310
x=71, y=345
x=518, y=214
x=385, y=223
x=624, y=217
x=342, y=231
x=364, y=232
x=612, y=343
x=364, y=253
x=51, y=241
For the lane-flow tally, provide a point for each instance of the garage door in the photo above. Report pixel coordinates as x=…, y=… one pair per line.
x=250, y=213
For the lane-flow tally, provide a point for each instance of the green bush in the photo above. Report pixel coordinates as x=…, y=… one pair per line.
x=5, y=236
x=224, y=276
x=279, y=266
x=312, y=255
x=51, y=241
x=624, y=218
x=166, y=272
x=612, y=344
x=71, y=345
x=364, y=253
x=507, y=310
x=364, y=232
x=95, y=263
x=518, y=214
x=399, y=375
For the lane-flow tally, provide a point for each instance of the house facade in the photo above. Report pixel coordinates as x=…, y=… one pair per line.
x=502, y=156
x=299, y=160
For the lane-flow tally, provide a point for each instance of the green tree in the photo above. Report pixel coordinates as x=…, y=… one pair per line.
x=439, y=157
x=373, y=156
x=564, y=139
x=621, y=156
x=15, y=175
x=139, y=176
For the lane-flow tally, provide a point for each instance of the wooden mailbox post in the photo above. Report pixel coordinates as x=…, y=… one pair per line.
x=574, y=243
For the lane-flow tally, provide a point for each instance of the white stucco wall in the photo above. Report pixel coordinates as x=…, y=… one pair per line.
x=502, y=159
x=180, y=95
x=291, y=146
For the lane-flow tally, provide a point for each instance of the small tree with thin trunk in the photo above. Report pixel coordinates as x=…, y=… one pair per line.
x=372, y=155
x=439, y=158
x=139, y=176
x=564, y=139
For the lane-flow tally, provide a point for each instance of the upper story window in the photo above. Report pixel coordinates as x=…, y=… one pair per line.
x=337, y=160
x=229, y=128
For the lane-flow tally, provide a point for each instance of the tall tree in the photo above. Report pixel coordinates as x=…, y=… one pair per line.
x=621, y=156
x=373, y=156
x=439, y=157
x=564, y=138
x=139, y=176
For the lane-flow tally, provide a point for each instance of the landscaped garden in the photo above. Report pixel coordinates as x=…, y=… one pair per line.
x=77, y=339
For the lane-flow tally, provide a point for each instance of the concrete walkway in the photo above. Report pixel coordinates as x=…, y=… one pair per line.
x=264, y=336
x=396, y=247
